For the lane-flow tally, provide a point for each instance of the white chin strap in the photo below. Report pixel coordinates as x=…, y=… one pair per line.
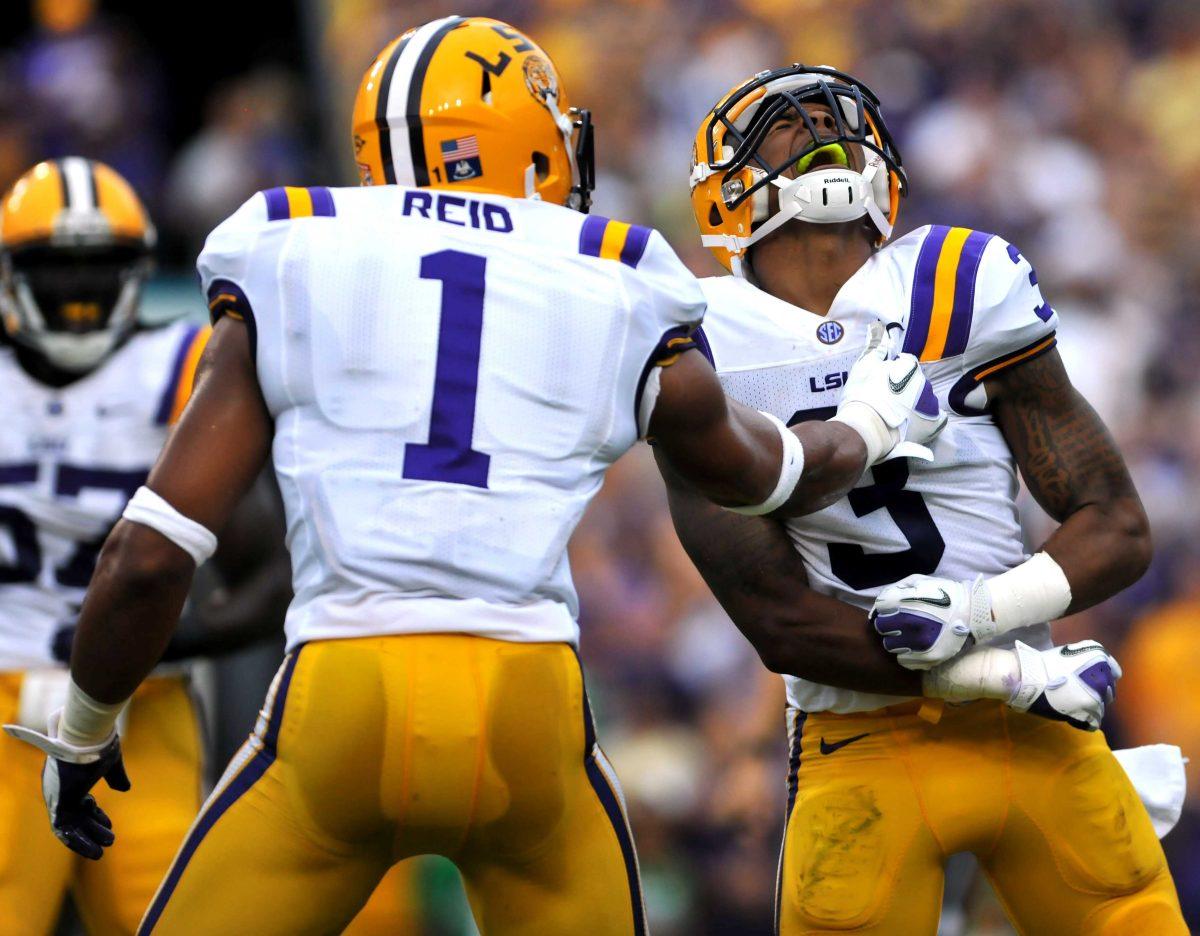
x=825, y=196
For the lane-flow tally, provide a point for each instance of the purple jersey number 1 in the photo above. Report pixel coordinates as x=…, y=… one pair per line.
x=448, y=455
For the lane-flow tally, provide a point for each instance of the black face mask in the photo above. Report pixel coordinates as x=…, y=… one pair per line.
x=76, y=288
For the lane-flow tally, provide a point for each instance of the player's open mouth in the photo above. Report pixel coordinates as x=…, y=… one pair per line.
x=832, y=154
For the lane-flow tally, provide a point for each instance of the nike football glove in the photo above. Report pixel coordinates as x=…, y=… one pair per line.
x=889, y=402
x=67, y=779
x=926, y=620
x=1072, y=683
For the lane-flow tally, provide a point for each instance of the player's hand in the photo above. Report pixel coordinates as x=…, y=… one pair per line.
x=890, y=402
x=1072, y=683
x=926, y=620
x=67, y=779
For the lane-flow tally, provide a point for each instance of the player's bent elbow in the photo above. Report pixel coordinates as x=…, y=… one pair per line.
x=1137, y=543
x=141, y=559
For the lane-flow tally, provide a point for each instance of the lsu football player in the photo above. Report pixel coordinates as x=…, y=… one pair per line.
x=443, y=363
x=90, y=397
x=796, y=184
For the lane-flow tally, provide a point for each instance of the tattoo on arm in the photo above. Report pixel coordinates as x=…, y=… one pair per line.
x=1074, y=470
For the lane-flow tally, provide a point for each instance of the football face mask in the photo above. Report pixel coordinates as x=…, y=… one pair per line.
x=858, y=168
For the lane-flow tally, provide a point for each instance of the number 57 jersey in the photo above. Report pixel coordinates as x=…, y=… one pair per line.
x=449, y=378
x=967, y=305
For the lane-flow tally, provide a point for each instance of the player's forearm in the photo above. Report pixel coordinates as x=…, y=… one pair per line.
x=132, y=607
x=835, y=458
x=759, y=579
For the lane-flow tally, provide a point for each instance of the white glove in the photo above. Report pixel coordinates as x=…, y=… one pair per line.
x=67, y=779
x=889, y=402
x=926, y=620
x=1072, y=683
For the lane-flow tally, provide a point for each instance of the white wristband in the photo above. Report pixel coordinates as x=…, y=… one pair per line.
x=148, y=509
x=789, y=473
x=1035, y=592
x=878, y=436
x=86, y=722
x=983, y=673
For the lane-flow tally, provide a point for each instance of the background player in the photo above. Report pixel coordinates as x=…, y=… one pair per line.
x=878, y=794
x=91, y=396
x=443, y=377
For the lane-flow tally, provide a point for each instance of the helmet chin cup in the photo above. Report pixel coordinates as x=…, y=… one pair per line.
x=831, y=196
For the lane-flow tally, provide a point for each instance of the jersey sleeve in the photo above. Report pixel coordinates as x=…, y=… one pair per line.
x=224, y=263
x=667, y=305
x=976, y=309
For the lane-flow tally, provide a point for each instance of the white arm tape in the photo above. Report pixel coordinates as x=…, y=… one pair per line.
x=789, y=473
x=85, y=721
x=148, y=509
x=983, y=673
x=1035, y=592
x=876, y=434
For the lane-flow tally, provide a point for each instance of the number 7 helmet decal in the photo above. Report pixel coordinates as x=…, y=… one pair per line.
x=470, y=103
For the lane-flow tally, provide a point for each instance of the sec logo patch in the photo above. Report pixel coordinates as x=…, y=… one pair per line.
x=830, y=332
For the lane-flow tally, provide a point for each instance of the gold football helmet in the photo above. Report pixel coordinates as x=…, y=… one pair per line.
x=851, y=173
x=75, y=245
x=472, y=104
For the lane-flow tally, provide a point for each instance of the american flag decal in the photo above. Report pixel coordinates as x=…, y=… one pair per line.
x=462, y=148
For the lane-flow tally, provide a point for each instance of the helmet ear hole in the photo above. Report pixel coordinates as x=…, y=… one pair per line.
x=714, y=215
x=541, y=165
x=485, y=87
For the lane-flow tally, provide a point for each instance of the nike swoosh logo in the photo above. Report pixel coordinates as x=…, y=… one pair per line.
x=899, y=387
x=943, y=602
x=827, y=748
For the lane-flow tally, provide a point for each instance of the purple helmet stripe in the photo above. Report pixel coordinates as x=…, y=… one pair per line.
x=921, y=311
x=964, y=293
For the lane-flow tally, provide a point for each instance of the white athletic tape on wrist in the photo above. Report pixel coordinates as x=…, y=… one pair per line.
x=1035, y=592
x=148, y=509
x=789, y=473
x=876, y=434
x=86, y=722
x=984, y=673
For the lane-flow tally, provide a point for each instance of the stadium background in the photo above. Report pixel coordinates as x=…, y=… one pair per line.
x=1071, y=127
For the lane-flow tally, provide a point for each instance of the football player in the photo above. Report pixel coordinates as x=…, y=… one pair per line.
x=91, y=396
x=443, y=363
x=796, y=184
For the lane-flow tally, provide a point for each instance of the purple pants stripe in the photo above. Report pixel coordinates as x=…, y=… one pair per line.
x=246, y=778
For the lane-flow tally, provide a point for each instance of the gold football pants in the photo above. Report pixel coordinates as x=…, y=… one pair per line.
x=372, y=750
x=163, y=755
x=879, y=800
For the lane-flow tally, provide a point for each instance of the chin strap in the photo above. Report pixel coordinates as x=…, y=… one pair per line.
x=807, y=197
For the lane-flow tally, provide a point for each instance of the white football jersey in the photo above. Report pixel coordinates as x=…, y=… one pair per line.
x=70, y=459
x=967, y=305
x=449, y=376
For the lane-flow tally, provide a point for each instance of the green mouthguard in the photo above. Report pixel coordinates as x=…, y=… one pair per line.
x=836, y=150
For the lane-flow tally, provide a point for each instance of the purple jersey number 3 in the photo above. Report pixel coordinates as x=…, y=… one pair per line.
x=448, y=455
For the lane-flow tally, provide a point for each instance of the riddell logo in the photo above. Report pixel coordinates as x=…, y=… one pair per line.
x=837, y=179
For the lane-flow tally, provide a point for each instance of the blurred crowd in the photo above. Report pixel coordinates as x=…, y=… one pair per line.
x=1070, y=127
